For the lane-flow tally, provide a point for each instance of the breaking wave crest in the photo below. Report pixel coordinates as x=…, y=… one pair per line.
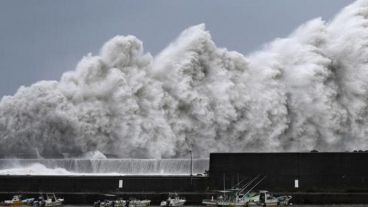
x=307, y=91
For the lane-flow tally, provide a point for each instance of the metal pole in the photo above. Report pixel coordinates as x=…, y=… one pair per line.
x=224, y=185
x=191, y=167
x=191, y=163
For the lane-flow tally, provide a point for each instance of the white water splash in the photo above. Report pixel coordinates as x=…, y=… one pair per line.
x=307, y=91
x=35, y=169
x=103, y=166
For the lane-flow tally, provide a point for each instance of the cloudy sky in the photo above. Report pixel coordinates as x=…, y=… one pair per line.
x=39, y=40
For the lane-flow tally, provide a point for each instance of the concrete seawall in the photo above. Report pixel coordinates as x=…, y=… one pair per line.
x=322, y=178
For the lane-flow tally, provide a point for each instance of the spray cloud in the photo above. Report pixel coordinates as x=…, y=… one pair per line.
x=307, y=91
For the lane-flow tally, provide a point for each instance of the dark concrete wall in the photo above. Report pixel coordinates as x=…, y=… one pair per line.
x=316, y=172
x=87, y=189
x=102, y=184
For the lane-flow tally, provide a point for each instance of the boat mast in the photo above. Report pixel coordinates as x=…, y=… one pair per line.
x=256, y=184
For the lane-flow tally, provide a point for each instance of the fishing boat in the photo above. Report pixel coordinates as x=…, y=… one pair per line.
x=173, y=200
x=243, y=196
x=52, y=200
x=17, y=201
x=237, y=195
x=49, y=200
x=111, y=203
x=139, y=203
x=227, y=198
x=265, y=198
x=120, y=203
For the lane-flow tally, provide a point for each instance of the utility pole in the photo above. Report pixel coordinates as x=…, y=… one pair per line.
x=191, y=163
x=191, y=167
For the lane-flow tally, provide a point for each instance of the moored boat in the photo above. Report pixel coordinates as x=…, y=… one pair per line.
x=52, y=200
x=265, y=198
x=173, y=200
x=111, y=203
x=228, y=198
x=17, y=201
x=139, y=203
x=240, y=197
x=49, y=200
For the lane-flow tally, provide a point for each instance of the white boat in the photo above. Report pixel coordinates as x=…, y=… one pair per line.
x=265, y=198
x=139, y=203
x=173, y=200
x=15, y=201
x=110, y=203
x=228, y=198
x=241, y=197
x=236, y=196
x=119, y=203
x=52, y=200
x=284, y=200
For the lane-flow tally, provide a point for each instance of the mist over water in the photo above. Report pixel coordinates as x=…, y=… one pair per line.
x=303, y=92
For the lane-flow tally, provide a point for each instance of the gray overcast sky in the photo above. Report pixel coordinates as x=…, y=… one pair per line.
x=39, y=39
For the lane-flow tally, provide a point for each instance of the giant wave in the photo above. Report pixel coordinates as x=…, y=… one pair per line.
x=307, y=91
